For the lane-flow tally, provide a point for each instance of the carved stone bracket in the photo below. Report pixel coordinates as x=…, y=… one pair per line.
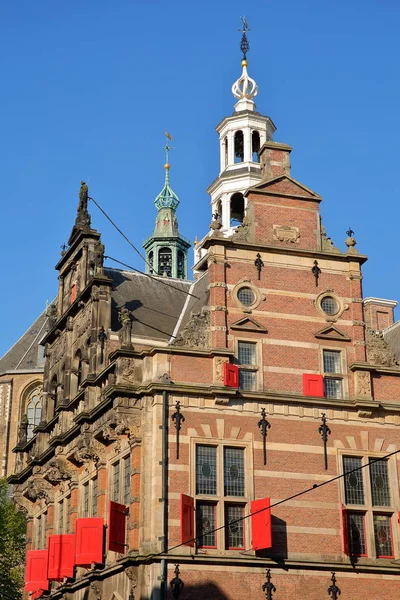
x=37, y=489
x=57, y=472
x=119, y=424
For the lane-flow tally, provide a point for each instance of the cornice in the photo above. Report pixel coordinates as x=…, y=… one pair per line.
x=257, y=247
x=376, y=368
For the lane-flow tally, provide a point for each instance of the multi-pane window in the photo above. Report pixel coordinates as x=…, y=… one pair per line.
x=94, y=496
x=121, y=481
x=369, y=506
x=333, y=380
x=247, y=359
x=40, y=531
x=220, y=495
x=33, y=410
x=63, y=515
x=89, y=492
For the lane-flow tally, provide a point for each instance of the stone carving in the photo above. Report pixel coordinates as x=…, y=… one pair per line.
x=37, y=490
x=215, y=223
x=284, y=233
x=219, y=362
x=23, y=430
x=99, y=250
x=363, y=384
x=126, y=369
x=326, y=243
x=51, y=315
x=58, y=350
x=96, y=590
x=125, y=318
x=242, y=233
x=82, y=322
x=57, y=472
x=120, y=424
x=130, y=572
x=378, y=351
x=195, y=334
x=86, y=452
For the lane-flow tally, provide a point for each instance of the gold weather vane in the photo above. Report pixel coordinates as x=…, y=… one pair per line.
x=168, y=135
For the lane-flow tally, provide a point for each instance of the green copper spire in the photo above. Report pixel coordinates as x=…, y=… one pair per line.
x=167, y=197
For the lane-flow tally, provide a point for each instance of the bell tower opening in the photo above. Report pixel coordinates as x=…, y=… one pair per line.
x=237, y=209
x=255, y=146
x=239, y=146
x=165, y=262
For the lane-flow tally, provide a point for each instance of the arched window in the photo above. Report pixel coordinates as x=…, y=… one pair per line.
x=33, y=410
x=165, y=262
x=181, y=264
x=255, y=146
x=239, y=147
x=151, y=261
x=237, y=209
x=226, y=151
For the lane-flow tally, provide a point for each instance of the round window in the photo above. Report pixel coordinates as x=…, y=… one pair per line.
x=329, y=305
x=246, y=296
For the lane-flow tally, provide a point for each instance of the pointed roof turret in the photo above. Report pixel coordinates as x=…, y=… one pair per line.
x=167, y=197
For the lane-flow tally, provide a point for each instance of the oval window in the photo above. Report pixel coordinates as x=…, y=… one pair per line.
x=329, y=305
x=246, y=296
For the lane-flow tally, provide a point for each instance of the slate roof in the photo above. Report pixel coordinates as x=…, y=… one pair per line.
x=194, y=304
x=24, y=354
x=159, y=306
x=391, y=336
x=156, y=302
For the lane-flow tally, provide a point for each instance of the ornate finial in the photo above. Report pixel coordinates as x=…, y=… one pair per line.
x=350, y=241
x=196, y=240
x=244, y=42
x=167, y=197
x=245, y=88
x=316, y=271
x=268, y=587
x=176, y=584
x=333, y=590
x=82, y=221
x=63, y=249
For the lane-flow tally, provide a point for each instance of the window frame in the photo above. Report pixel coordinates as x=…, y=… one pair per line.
x=63, y=513
x=368, y=509
x=40, y=530
x=250, y=368
x=88, y=483
x=340, y=376
x=122, y=481
x=219, y=499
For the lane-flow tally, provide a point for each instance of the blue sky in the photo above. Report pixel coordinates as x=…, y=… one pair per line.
x=88, y=89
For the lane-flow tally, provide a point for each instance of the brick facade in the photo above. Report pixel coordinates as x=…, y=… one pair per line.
x=108, y=403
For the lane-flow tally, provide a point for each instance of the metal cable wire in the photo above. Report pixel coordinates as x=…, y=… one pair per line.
x=314, y=486
x=152, y=277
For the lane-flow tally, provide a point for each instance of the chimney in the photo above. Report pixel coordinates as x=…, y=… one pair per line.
x=275, y=160
x=378, y=313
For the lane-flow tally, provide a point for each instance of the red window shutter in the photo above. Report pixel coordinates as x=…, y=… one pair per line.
x=261, y=527
x=313, y=385
x=117, y=527
x=89, y=541
x=73, y=293
x=187, y=520
x=61, y=556
x=344, y=530
x=36, y=571
x=231, y=375
x=36, y=594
